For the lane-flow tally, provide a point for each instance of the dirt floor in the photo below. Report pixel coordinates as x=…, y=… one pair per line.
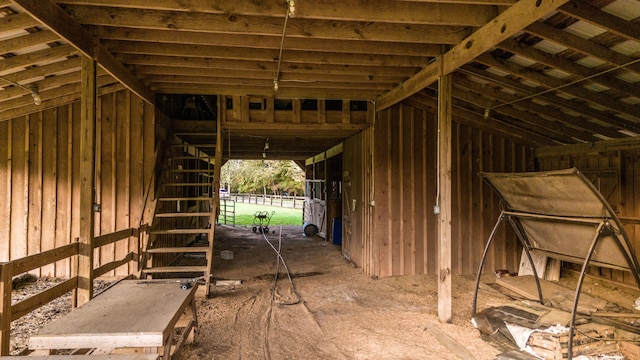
x=335, y=311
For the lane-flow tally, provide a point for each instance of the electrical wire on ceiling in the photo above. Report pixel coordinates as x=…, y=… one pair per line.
x=487, y=110
x=291, y=13
x=33, y=89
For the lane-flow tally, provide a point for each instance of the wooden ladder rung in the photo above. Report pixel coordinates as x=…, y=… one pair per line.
x=193, y=145
x=186, y=249
x=183, y=214
x=196, y=198
x=180, y=231
x=174, y=269
x=193, y=157
x=191, y=170
x=188, y=184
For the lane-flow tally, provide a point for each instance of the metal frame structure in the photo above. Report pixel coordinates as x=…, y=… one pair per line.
x=604, y=225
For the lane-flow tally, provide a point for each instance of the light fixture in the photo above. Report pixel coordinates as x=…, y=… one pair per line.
x=36, y=96
x=266, y=145
x=276, y=86
x=486, y=113
x=264, y=155
x=33, y=89
x=292, y=8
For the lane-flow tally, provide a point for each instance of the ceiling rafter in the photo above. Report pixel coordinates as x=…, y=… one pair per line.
x=579, y=71
x=509, y=22
x=66, y=27
x=548, y=111
x=547, y=82
x=570, y=105
x=267, y=42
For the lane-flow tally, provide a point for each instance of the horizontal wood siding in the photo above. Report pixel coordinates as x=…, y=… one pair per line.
x=39, y=182
x=404, y=231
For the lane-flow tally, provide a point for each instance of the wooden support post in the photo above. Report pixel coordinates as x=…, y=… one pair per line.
x=84, y=292
x=6, y=274
x=346, y=111
x=444, y=181
x=296, y=110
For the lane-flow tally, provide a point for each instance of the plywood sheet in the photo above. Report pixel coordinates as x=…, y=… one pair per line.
x=85, y=357
x=557, y=294
x=131, y=314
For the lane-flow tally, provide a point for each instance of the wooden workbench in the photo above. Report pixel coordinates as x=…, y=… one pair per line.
x=134, y=315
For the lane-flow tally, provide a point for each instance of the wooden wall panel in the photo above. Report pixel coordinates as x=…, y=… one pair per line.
x=39, y=182
x=405, y=194
x=357, y=212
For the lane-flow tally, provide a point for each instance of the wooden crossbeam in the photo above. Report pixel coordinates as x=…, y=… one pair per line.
x=61, y=23
x=503, y=26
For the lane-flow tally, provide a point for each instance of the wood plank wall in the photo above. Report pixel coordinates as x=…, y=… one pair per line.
x=39, y=184
x=357, y=194
x=623, y=193
x=403, y=236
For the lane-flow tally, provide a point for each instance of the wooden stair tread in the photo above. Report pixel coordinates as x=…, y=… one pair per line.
x=184, y=249
x=191, y=170
x=188, y=184
x=195, y=198
x=174, y=269
x=193, y=145
x=180, y=231
x=183, y=214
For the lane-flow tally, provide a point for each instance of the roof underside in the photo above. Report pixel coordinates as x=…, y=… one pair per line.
x=568, y=76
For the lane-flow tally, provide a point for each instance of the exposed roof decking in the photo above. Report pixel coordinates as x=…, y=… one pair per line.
x=354, y=50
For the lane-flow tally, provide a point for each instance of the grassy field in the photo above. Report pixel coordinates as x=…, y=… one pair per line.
x=283, y=216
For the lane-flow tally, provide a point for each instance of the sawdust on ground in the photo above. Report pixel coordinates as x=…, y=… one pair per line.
x=334, y=312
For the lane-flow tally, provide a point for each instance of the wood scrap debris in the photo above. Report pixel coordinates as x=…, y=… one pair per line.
x=601, y=327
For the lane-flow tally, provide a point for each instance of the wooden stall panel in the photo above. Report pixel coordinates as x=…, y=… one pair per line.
x=39, y=182
x=405, y=194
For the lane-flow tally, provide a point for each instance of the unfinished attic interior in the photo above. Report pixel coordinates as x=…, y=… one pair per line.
x=116, y=116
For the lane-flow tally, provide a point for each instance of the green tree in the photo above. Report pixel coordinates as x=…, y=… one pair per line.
x=258, y=176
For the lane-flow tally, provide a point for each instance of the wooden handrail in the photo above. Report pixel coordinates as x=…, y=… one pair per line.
x=42, y=298
x=106, y=239
x=11, y=312
x=32, y=262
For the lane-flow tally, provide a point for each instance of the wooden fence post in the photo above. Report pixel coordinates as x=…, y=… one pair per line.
x=5, y=307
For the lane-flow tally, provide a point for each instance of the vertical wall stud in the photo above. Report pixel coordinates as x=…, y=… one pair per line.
x=84, y=292
x=444, y=188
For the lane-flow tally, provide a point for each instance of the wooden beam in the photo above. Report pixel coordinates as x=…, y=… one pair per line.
x=267, y=42
x=246, y=24
x=512, y=20
x=548, y=111
x=582, y=45
x=564, y=64
x=444, y=193
x=88, y=101
x=438, y=13
x=549, y=82
x=628, y=143
x=253, y=54
x=271, y=66
x=58, y=21
x=572, y=106
x=614, y=24
x=5, y=308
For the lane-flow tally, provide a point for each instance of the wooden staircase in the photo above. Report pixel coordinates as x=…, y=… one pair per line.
x=182, y=234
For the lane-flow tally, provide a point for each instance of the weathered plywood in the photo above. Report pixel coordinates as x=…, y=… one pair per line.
x=140, y=313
